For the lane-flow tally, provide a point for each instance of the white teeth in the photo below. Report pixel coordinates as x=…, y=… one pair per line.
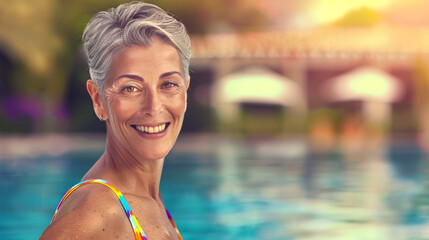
x=156, y=129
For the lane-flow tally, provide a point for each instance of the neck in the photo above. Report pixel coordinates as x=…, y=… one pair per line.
x=130, y=175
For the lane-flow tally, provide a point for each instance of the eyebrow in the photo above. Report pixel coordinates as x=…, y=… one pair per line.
x=136, y=77
x=132, y=76
x=167, y=74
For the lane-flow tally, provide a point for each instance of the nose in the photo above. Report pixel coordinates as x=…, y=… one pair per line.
x=152, y=103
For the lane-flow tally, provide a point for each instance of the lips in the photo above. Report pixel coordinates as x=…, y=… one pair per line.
x=152, y=129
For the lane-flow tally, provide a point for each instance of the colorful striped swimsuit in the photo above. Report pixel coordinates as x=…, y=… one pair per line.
x=138, y=231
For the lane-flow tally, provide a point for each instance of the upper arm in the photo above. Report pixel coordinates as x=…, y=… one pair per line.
x=92, y=212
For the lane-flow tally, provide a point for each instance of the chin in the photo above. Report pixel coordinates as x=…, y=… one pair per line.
x=153, y=155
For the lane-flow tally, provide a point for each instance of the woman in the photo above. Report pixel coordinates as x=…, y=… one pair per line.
x=138, y=59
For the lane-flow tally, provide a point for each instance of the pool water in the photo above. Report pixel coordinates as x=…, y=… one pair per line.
x=218, y=187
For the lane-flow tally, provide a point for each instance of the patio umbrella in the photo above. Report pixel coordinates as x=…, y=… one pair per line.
x=363, y=84
x=257, y=85
x=254, y=85
x=373, y=87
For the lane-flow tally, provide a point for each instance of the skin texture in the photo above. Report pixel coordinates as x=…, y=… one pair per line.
x=146, y=86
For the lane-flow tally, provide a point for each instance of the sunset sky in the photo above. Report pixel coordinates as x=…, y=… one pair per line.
x=311, y=13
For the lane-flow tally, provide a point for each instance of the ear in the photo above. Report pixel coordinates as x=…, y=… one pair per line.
x=97, y=102
x=188, y=81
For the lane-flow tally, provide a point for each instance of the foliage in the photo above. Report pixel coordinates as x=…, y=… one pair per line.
x=44, y=44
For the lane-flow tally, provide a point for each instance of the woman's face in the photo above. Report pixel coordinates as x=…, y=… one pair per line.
x=145, y=100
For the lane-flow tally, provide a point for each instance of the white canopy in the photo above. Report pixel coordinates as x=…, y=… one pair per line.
x=253, y=85
x=365, y=84
x=375, y=88
x=257, y=85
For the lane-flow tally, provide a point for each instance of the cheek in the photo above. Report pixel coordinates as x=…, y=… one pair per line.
x=121, y=109
x=178, y=106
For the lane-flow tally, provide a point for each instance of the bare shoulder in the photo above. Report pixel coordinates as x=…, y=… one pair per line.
x=91, y=212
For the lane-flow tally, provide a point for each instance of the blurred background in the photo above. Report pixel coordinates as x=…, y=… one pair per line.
x=306, y=119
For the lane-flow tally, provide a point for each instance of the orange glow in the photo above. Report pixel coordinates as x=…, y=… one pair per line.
x=326, y=11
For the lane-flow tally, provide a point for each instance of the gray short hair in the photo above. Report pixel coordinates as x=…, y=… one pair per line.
x=134, y=23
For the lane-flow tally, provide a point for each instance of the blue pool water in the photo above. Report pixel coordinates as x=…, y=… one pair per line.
x=225, y=188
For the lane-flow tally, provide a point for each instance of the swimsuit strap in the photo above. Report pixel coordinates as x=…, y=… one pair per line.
x=173, y=223
x=138, y=231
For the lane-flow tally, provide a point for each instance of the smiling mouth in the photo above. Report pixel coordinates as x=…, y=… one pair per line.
x=150, y=129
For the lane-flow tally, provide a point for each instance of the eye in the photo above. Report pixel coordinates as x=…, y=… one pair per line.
x=169, y=85
x=129, y=89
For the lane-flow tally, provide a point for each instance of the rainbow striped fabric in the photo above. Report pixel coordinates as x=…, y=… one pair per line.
x=138, y=231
